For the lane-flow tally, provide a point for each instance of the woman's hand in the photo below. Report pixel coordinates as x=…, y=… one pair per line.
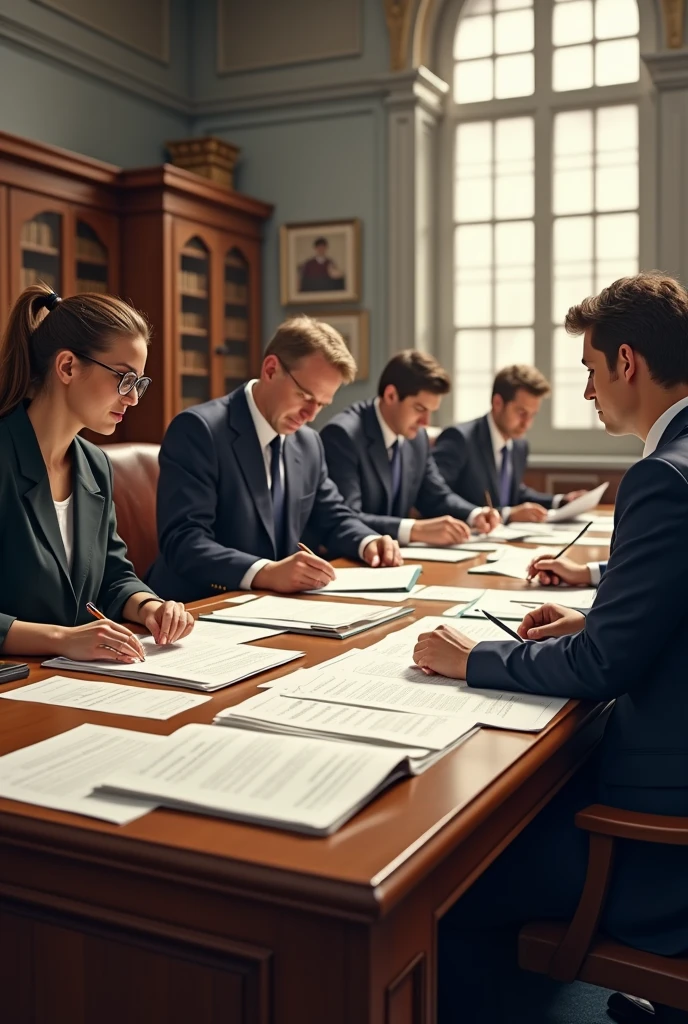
x=167, y=621
x=102, y=640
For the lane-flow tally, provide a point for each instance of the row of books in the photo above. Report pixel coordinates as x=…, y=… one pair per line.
x=38, y=232
x=193, y=359
x=196, y=320
x=88, y=249
x=192, y=282
x=29, y=276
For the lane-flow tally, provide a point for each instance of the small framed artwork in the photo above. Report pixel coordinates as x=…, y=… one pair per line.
x=353, y=328
x=320, y=262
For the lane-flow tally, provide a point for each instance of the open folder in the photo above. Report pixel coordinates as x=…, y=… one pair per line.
x=335, y=619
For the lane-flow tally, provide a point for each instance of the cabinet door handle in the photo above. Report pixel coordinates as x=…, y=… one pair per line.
x=222, y=350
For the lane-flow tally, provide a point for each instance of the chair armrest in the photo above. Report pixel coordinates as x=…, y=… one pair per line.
x=649, y=828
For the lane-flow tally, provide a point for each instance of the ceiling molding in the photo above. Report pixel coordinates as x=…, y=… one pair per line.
x=163, y=59
x=668, y=68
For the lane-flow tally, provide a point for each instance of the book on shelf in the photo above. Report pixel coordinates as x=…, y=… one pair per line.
x=37, y=232
x=189, y=281
x=236, y=328
x=29, y=276
x=87, y=249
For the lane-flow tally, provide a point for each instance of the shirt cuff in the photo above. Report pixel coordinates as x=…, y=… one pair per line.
x=472, y=515
x=506, y=513
x=557, y=500
x=252, y=572
x=365, y=542
x=595, y=574
x=404, y=532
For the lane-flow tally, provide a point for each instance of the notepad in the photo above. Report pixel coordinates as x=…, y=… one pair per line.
x=395, y=578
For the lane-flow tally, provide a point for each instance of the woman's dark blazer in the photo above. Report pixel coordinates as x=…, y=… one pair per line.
x=35, y=582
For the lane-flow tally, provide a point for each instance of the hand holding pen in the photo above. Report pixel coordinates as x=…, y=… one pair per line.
x=110, y=641
x=547, y=566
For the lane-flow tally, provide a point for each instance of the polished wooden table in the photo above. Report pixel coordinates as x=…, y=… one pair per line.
x=183, y=919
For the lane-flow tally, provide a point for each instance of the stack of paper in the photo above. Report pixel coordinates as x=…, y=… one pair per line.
x=292, y=782
x=109, y=698
x=276, y=712
x=336, y=619
x=399, y=578
x=201, y=661
x=421, y=553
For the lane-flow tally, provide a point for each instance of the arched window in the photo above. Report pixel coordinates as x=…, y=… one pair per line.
x=549, y=106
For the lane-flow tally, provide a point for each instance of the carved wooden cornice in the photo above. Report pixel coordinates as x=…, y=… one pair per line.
x=674, y=14
x=398, y=15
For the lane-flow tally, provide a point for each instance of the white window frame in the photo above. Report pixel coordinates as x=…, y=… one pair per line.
x=542, y=105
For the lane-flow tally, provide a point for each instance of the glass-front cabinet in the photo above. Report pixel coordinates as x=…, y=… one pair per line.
x=215, y=340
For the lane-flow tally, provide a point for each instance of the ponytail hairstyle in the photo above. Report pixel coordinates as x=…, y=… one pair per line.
x=40, y=324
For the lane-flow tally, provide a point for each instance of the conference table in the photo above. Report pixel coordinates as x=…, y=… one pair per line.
x=179, y=918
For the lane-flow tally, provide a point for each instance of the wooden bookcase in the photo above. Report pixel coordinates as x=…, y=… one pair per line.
x=183, y=250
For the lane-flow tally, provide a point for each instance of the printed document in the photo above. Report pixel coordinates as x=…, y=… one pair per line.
x=112, y=698
x=586, y=503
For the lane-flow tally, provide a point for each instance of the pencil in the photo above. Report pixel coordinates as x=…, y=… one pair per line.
x=304, y=547
x=502, y=625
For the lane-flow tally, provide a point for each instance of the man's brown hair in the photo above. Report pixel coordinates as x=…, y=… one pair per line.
x=411, y=371
x=648, y=312
x=302, y=336
x=511, y=379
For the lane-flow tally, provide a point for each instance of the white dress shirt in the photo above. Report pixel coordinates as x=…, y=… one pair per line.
x=389, y=438
x=266, y=434
x=653, y=438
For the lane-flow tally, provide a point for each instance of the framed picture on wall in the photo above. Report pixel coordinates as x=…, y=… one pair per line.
x=353, y=328
x=320, y=262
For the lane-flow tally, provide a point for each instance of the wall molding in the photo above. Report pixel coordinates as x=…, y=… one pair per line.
x=36, y=42
x=668, y=68
x=164, y=59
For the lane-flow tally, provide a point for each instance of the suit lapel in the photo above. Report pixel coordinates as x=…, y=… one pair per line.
x=377, y=451
x=487, y=454
x=292, y=470
x=36, y=486
x=89, y=505
x=250, y=459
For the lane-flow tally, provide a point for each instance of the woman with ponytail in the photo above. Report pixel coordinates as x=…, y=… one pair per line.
x=66, y=364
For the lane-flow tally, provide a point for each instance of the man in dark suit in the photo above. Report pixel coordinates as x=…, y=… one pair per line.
x=378, y=455
x=240, y=479
x=491, y=453
x=631, y=647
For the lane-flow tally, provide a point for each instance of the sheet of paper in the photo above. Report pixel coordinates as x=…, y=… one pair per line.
x=514, y=562
x=587, y=540
x=62, y=771
x=479, y=545
x=213, y=663
x=293, y=782
x=270, y=683
x=428, y=732
x=242, y=599
x=112, y=698
x=509, y=531
x=231, y=634
x=464, y=595
x=586, y=503
x=423, y=554
x=515, y=604
x=307, y=611
x=388, y=596
x=394, y=578
x=498, y=708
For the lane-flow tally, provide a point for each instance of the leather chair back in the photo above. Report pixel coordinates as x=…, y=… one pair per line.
x=135, y=470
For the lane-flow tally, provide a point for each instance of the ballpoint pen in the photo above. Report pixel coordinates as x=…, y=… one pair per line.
x=502, y=625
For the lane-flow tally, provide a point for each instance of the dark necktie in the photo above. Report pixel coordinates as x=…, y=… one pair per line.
x=277, y=489
x=395, y=467
x=505, y=475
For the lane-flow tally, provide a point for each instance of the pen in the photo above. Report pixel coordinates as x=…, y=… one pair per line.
x=97, y=614
x=488, y=501
x=502, y=625
x=304, y=547
x=570, y=544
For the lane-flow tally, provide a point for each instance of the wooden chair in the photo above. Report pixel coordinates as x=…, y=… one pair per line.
x=577, y=951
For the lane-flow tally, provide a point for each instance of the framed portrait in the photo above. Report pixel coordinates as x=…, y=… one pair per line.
x=353, y=328
x=320, y=262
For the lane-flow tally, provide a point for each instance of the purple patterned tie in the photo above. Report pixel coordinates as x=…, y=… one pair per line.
x=395, y=466
x=505, y=475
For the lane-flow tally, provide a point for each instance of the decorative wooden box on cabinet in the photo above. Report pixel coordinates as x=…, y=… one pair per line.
x=182, y=249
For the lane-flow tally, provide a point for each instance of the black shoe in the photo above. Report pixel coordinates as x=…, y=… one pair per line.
x=630, y=1010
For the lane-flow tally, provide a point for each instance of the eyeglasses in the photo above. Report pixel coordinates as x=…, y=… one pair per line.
x=128, y=381
x=308, y=397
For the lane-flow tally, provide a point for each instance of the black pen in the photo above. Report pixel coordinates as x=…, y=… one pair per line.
x=564, y=549
x=502, y=625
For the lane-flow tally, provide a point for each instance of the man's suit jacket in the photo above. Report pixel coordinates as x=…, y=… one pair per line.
x=35, y=582
x=465, y=458
x=215, y=515
x=359, y=465
x=634, y=649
